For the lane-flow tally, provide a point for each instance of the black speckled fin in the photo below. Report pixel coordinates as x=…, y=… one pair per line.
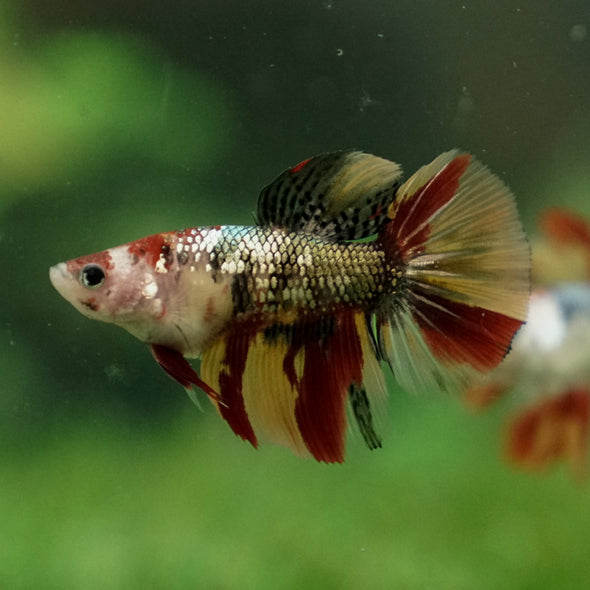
x=340, y=195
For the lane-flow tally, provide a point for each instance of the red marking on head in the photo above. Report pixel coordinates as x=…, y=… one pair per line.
x=91, y=304
x=553, y=429
x=101, y=258
x=300, y=166
x=332, y=363
x=459, y=333
x=409, y=230
x=150, y=248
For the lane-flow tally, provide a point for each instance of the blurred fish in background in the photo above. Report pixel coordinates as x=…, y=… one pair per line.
x=548, y=369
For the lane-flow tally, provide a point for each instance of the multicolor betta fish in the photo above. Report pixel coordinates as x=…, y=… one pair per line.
x=551, y=369
x=548, y=368
x=292, y=316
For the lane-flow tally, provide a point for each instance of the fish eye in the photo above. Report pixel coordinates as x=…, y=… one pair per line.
x=92, y=276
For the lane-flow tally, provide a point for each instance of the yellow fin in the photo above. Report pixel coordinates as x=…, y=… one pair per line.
x=269, y=395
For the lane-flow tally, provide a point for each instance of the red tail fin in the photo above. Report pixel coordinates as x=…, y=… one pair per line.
x=555, y=428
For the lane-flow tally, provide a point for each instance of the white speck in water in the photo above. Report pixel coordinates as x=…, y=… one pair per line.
x=380, y=35
x=339, y=52
x=114, y=372
x=578, y=33
x=365, y=101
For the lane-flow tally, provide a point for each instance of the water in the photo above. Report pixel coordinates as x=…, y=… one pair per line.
x=122, y=120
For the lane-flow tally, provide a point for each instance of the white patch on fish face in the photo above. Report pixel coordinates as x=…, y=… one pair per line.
x=161, y=265
x=150, y=289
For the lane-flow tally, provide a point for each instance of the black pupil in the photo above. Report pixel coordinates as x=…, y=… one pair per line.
x=92, y=275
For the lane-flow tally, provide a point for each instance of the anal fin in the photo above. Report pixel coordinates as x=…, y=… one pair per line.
x=180, y=370
x=294, y=381
x=361, y=409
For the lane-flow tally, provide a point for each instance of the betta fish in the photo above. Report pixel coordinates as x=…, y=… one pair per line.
x=547, y=371
x=345, y=267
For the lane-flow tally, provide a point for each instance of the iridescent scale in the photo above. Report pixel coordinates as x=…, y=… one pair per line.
x=275, y=270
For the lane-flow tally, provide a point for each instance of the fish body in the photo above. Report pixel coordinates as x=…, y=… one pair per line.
x=292, y=316
x=190, y=284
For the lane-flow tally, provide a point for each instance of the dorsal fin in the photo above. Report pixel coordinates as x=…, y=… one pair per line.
x=340, y=195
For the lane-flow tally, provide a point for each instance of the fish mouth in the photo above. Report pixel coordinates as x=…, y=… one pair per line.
x=58, y=275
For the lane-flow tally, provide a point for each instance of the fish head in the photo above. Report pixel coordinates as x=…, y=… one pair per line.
x=116, y=286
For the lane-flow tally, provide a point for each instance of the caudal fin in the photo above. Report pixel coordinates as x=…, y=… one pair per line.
x=552, y=429
x=460, y=263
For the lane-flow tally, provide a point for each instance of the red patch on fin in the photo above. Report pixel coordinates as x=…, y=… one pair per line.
x=482, y=395
x=565, y=227
x=461, y=333
x=230, y=386
x=300, y=166
x=333, y=361
x=555, y=428
x=180, y=370
x=409, y=230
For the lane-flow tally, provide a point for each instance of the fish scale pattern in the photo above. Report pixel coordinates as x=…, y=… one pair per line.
x=274, y=270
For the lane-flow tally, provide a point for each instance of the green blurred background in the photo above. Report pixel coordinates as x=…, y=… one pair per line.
x=118, y=120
